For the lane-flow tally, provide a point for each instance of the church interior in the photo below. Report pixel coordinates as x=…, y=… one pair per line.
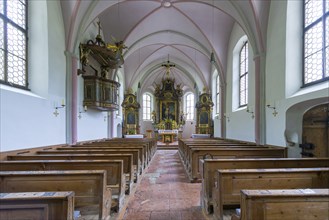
x=164, y=109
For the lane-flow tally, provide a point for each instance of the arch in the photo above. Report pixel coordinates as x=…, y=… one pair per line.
x=119, y=130
x=294, y=123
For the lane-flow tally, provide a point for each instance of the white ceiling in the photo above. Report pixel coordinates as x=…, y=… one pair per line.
x=186, y=31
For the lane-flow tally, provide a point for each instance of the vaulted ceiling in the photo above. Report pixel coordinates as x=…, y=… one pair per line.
x=185, y=31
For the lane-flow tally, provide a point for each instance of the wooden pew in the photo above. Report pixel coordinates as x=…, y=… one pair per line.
x=209, y=168
x=114, y=168
x=231, y=182
x=37, y=205
x=302, y=204
x=229, y=152
x=126, y=158
x=141, y=150
x=150, y=142
x=149, y=147
x=136, y=156
x=184, y=144
x=92, y=196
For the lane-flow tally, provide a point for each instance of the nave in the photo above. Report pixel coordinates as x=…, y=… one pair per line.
x=165, y=192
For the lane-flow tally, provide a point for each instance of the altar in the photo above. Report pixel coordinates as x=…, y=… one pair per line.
x=168, y=136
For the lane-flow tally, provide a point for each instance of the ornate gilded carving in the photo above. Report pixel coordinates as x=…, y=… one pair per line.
x=130, y=108
x=108, y=55
x=204, y=123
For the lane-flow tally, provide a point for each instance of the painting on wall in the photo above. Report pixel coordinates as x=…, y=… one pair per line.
x=168, y=110
x=204, y=118
x=131, y=118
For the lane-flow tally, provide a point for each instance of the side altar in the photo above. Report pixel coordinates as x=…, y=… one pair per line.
x=167, y=116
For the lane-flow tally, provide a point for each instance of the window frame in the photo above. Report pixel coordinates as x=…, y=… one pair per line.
x=189, y=106
x=323, y=18
x=245, y=49
x=217, y=92
x=6, y=20
x=145, y=114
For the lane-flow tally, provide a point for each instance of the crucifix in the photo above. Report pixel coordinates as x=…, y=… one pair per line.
x=168, y=65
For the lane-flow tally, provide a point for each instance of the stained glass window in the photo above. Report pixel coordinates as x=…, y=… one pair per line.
x=316, y=41
x=13, y=42
x=243, y=73
x=146, y=107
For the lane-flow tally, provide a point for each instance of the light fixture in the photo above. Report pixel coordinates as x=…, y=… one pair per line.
x=227, y=116
x=250, y=112
x=85, y=108
x=56, y=113
x=274, y=109
x=166, y=4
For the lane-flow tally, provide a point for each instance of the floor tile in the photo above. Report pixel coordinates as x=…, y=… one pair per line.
x=164, y=192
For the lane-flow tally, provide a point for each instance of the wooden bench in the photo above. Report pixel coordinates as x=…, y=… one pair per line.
x=114, y=168
x=126, y=158
x=229, y=152
x=136, y=156
x=147, y=144
x=37, y=205
x=184, y=144
x=302, y=204
x=142, y=152
x=209, y=168
x=231, y=182
x=92, y=196
x=150, y=142
x=191, y=150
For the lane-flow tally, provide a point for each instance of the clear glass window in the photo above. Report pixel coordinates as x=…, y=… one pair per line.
x=146, y=107
x=189, y=106
x=316, y=41
x=243, y=76
x=13, y=43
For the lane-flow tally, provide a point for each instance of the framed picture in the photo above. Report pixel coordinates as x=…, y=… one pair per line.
x=168, y=110
x=131, y=118
x=204, y=118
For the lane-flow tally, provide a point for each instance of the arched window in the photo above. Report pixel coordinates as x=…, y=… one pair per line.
x=243, y=75
x=217, y=95
x=13, y=43
x=316, y=41
x=146, y=106
x=189, y=106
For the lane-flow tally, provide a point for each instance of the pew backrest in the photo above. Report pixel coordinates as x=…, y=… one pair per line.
x=37, y=205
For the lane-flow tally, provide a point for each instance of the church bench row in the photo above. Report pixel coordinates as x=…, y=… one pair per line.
x=209, y=168
x=126, y=158
x=103, y=146
x=192, y=150
x=92, y=195
x=135, y=153
x=230, y=182
x=185, y=144
x=114, y=168
x=198, y=153
x=302, y=204
x=37, y=205
x=148, y=143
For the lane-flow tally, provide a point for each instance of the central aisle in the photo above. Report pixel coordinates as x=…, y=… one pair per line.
x=164, y=192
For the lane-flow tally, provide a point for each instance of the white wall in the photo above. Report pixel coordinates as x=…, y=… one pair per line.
x=27, y=118
x=283, y=77
x=94, y=123
x=239, y=124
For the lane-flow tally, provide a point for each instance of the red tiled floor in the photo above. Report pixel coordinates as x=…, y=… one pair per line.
x=164, y=193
